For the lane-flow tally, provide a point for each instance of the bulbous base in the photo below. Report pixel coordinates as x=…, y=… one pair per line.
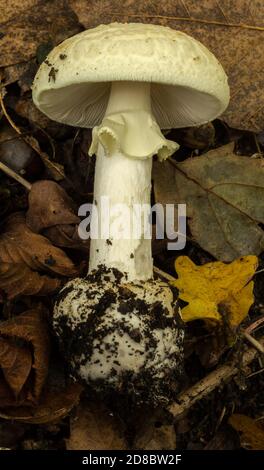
x=123, y=337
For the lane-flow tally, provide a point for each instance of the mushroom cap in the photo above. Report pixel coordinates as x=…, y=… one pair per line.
x=188, y=85
x=119, y=337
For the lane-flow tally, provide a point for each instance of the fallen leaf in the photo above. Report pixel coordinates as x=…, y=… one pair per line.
x=49, y=205
x=95, y=428
x=30, y=327
x=17, y=279
x=12, y=73
x=51, y=408
x=18, y=244
x=216, y=291
x=22, y=254
x=251, y=433
x=12, y=8
x=55, y=169
x=15, y=363
x=224, y=195
x=52, y=212
x=26, y=108
x=26, y=24
x=228, y=29
x=66, y=236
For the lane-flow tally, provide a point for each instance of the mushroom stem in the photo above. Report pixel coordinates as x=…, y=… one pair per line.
x=124, y=184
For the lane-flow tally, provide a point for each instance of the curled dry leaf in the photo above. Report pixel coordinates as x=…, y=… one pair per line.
x=251, y=432
x=22, y=254
x=18, y=279
x=95, y=428
x=49, y=205
x=26, y=108
x=24, y=357
x=224, y=194
x=52, y=212
x=55, y=169
x=66, y=236
x=52, y=407
x=15, y=363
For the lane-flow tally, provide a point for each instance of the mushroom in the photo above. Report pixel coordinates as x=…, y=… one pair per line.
x=120, y=328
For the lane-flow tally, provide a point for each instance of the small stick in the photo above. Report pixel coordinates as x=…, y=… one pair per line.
x=255, y=373
x=201, y=389
x=256, y=344
x=255, y=325
x=56, y=168
x=163, y=274
x=15, y=176
x=188, y=19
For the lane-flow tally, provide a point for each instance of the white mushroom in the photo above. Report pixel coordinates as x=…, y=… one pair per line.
x=126, y=81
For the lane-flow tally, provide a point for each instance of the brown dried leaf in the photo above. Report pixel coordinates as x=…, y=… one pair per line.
x=251, y=433
x=18, y=279
x=7, y=397
x=55, y=169
x=66, y=236
x=18, y=244
x=51, y=408
x=12, y=8
x=15, y=363
x=26, y=108
x=228, y=29
x=94, y=428
x=32, y=328
x=27, y=24
x=49, y=205
x=224, y=197
x=12, y=73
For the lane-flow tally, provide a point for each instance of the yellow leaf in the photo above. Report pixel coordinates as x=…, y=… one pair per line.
x=216, y=290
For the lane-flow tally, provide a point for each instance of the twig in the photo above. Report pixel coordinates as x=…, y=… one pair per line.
x=255, y=373
x=255, y=325
x=202, y=388
x=163, y=274
x=259, y=271
x=15, y=176
x=256, y=344
x=54, y=167
x=190, y=20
